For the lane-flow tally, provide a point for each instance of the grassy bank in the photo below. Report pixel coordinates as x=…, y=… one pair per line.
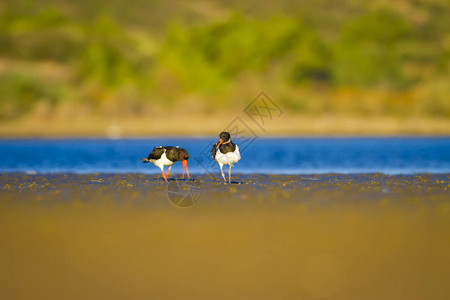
x=378, y=62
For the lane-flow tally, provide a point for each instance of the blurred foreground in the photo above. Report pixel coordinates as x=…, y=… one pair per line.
x=266, y=236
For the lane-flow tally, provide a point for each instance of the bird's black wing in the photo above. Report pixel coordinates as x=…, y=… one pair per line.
x=156, y=153
x=214, y=150
x=173, y=153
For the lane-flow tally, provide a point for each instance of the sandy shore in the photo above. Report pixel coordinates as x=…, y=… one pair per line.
x=133, y=236
x=195, y=125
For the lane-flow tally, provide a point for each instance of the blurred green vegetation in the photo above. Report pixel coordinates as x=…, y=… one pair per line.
x=343, y=57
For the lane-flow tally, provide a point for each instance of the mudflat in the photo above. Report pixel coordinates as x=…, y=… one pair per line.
x=116, y=236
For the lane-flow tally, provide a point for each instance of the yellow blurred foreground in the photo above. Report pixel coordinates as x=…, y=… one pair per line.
x=235, y=246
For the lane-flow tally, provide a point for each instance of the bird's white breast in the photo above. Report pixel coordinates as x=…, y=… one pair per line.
x=162, y=161
x=228, y=158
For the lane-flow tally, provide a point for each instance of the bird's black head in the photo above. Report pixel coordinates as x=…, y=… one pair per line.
x=224, y=136
x=183, y=154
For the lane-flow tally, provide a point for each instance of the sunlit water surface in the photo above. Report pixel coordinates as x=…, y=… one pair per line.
x=389, y=155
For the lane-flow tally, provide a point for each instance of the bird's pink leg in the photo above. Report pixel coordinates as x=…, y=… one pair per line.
x=223, y=175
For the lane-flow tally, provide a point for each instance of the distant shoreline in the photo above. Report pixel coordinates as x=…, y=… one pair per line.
x=201, y=125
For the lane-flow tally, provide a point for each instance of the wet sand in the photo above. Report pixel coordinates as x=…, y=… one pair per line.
x=116, y=236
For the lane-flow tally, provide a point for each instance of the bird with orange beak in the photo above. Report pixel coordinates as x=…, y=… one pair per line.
x=225, y=152
x=166, y=156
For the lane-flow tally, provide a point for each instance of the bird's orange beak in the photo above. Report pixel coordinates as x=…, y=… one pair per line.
x=219, y=143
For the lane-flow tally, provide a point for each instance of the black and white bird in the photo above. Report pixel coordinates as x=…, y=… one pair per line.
x=167, y=156
x=225, y=152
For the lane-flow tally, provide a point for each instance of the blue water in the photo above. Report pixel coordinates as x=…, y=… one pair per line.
x=396, y=155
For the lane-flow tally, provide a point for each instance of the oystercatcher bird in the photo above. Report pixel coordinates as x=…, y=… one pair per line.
x=225, y=152
x=167, y=156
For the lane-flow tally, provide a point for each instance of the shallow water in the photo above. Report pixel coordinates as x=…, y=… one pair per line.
x=388, y=155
